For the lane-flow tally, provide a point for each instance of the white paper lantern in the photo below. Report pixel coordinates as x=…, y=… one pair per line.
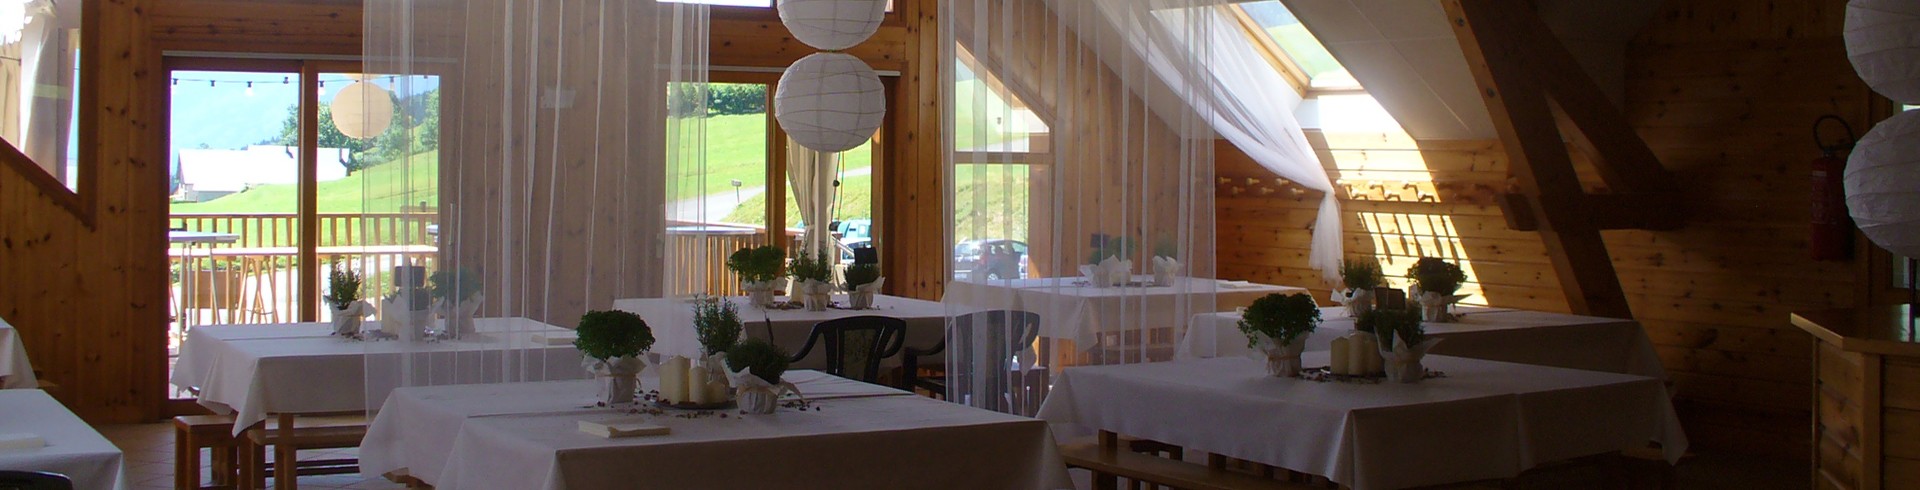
x=1883, y=184
x=362, y=110
x=832, y=25
x=830, y=102
x=1883, y=42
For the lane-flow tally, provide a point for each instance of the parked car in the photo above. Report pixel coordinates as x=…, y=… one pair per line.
x=990, y=259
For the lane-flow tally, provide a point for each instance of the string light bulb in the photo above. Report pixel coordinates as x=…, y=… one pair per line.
x=249, y=89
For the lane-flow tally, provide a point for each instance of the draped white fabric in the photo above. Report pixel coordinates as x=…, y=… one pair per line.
x=812, y=175
x=1078, y=173
x=569, y=130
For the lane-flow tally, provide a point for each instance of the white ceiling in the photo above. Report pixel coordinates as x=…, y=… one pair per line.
x=1405, y=54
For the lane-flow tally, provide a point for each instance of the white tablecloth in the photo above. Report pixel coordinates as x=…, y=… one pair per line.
x=524, y=436
x=73, y=448
x=15, y=371
x=1499, y=334
x=256, y=370
x=672, y=323
x=1485, y=420
x=1070, y=310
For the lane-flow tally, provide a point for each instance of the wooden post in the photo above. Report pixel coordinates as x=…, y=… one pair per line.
x=309, y=219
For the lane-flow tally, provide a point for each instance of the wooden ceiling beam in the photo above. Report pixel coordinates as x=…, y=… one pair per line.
x=1533, y=89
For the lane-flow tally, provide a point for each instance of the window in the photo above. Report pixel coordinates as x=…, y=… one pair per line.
x=999, y=143
x=1297, y=51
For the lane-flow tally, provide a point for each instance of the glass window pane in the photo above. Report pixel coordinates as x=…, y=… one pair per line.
x=1299, y=44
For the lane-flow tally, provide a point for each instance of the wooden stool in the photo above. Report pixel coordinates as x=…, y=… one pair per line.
x=192, y=432
x=288, y=436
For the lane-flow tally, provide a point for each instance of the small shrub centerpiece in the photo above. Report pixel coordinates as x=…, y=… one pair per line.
x=756, y=366
x=813, y=279
x=1434, y=282
x=456, y=294
x=610, y=344
x=863, y=279
x=1360, y=278
x=1278, y=325
x=758, y=267
x=1403, y=342
x=343, y=298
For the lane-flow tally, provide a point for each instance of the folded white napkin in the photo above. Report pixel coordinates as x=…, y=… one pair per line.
x=556, y=338
x=21, y=441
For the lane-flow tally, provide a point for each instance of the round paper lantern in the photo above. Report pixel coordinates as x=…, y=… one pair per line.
x=832, y=25
x=362, y=110
x=830, y=102
x=1883, y=184
x=1883, y=42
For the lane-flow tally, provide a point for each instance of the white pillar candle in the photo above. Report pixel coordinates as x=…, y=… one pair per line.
x=1357, y=354
x=673, y=379
x=717, y=389
x=1339, y=352
x=1375, y=363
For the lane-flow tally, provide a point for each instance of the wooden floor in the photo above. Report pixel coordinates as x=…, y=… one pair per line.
x=149, y=449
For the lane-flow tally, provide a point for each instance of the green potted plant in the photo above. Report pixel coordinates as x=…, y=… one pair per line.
x=1403, y=342
x=457, y=294
x=717, y=325
x=758, y=267
x=813, y=279
x=755, y=368
x=863, y=279
x=343, y=301
x=1359, y=277
x=1434, y=282
x=1278, y=325
x=406, y=313
x=610, y=344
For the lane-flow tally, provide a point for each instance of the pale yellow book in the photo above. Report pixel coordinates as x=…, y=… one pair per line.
x=622, y=428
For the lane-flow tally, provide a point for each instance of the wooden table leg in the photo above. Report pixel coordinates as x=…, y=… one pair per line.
x=1109, y=444
x=286, y=463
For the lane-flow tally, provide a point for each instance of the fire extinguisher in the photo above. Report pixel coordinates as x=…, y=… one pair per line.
x=1832, y=237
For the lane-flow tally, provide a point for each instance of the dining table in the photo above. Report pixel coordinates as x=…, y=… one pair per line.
x=252, y=371
x=37, y=433
x=788, y=327
x=1502, y=334
x=1137, y=315
x=1472, y=420
x=847, y=434
x=15, y=371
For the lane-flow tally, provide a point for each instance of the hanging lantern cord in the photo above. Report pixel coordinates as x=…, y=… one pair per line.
x=1838, y=147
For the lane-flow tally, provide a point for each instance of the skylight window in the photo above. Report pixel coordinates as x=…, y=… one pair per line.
x=1296, y=47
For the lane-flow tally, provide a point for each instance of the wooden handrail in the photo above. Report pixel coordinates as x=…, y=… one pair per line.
x=48, y=186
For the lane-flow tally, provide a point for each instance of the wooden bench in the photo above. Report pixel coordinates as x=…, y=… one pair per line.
x=289, y=435
x=1110, y=460
x=192, y=432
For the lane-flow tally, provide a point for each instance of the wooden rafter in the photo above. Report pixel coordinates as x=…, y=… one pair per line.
x=1540, y=98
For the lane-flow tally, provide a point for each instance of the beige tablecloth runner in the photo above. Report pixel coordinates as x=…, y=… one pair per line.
x=1499, y=334
x=15, y=371
x=525, y=436
x=73, y=448
x=672, y=323
x=256, y=370
x=1070, y=310
x=1485, y=420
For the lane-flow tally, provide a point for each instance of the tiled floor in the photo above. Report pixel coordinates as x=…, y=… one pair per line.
x=149, y=449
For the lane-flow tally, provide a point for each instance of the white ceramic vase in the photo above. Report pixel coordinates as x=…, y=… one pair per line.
x=1283, y=360
x=759, y=293
x=618, y=378
x=757, y=400
x=860, y=300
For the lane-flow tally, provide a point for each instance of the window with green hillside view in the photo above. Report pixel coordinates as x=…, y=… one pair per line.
x=1298, y=44
x=996, y=139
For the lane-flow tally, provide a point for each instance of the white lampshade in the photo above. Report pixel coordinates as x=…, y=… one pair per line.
x=362, y=110
x=1883, y=42
x=830, y=102
x=1883, y=184
x=832, y=25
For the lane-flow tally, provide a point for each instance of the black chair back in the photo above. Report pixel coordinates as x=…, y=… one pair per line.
x=34, y=480
x=856, y=345
x=1001, y=335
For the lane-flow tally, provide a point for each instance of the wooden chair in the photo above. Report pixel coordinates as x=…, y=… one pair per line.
x=192, y=432
x=34, y=480
x=1110, y=460
x=1007, y=333
x=288, y=435
x=882, y=338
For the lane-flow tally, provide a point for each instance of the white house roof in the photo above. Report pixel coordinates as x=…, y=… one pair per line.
x=208, y=170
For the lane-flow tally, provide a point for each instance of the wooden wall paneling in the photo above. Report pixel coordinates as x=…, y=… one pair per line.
x=911, y=206
x=294, y=27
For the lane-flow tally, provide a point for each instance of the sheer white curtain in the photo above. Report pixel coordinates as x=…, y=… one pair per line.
x=564, y=130
x=812, y=175
x=1077, y=169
